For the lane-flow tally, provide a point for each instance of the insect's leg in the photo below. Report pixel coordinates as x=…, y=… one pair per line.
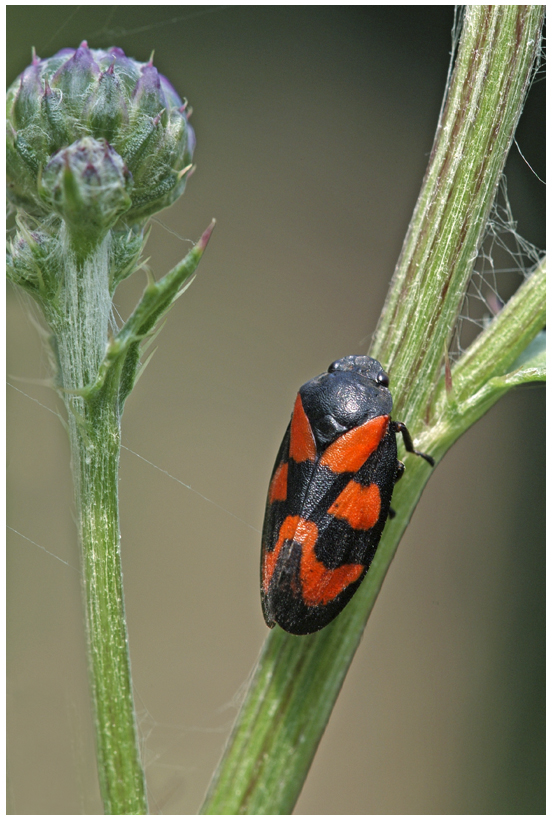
x=400, y=469
x=399, y=427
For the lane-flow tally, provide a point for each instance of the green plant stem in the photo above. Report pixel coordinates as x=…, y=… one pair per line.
x=95, y=373
x=79, y=324
x=486, y=95
x=481, y=376
x=95, y=455
x=298, y=679
x=81, y=214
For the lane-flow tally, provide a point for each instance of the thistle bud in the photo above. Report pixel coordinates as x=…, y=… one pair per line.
x=87, y=185
x=107, y=104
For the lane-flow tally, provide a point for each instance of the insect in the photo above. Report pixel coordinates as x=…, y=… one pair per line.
x=330, y=494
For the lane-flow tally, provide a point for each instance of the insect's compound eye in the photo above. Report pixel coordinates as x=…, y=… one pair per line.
x=383, y=379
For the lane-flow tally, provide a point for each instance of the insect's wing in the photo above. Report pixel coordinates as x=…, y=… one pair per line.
x=351, y=517
x=289, y=484
x=274, y=516
x=326, y=535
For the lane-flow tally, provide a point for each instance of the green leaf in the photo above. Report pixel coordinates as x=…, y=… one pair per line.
x=119, y=368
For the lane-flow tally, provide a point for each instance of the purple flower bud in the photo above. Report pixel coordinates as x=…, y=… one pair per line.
x=88, y=184
x=28, y=96
x=148, y=98
x=106, y=95
x=123, y=64
x=64, y=52
x=170, y=93
x=106, y=110
x=76, y=76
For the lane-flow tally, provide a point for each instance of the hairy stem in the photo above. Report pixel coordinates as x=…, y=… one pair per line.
x=79, y=323
x=97, y=143
x=485, y=98
x=95, y=454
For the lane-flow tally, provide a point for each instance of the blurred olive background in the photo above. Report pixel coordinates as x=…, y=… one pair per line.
x=314, y=126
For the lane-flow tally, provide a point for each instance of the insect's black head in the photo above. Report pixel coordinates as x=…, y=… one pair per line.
x=352, y=391
x=365, y=366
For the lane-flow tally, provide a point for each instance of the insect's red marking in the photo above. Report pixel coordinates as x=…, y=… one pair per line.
x=302, y=442
x=279, y=484
x=350, y=451
x=269, y=564
x=319, y=584
x=359, y=506
x=290, y=530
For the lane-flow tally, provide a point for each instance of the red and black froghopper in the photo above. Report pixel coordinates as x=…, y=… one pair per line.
x=330, y=494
